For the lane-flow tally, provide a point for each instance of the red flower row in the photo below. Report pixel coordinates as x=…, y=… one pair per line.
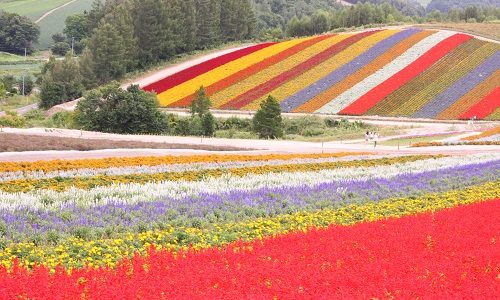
x=377, y=94
x=485, y=107
x=448, y=254
x=194, y=71
x=263, y=89
x=243, y=74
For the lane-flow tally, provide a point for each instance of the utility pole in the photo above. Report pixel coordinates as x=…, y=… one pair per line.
x=72, y=46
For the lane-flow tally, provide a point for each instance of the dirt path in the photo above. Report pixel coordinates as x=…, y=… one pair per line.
x=263, y=146
x=52, y=10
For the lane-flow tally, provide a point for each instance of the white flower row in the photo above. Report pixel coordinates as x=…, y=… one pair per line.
x=134, y=193
x=89, y=172
x=401, y=62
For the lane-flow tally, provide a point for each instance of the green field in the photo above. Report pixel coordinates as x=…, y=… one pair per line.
x=55, y=22
x=33, y=9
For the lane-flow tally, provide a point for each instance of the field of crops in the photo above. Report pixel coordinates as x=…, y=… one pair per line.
x=348, y=225
x=32, y=9
x=411, y=72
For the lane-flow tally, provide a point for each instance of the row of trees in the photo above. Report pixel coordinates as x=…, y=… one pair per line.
x=112, y=109
x=369, y=13
x=352, y=16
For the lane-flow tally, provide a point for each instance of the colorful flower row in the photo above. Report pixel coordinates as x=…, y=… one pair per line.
x=495, y=131
x=296, y=47
x=206, y=210
x=64, y=183
x=79, y=252
x=64, y=165
x=444, y=81
x=419, y=259
x=367, y=70
x=471, y=98
x=190, y=73
x=373, y=72
x=263, y=89
x=456, y=143
x=134, y=193
x=484, y=107
x=397, y=95
x=313, y=75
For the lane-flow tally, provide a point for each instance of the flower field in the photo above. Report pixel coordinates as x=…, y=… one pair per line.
x=404, y=72
x=349, y=225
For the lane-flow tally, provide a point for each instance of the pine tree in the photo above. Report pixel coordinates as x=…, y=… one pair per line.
x=121, y=20
x=268, y=122
x=187, y=29
x=150, y=30
x=208, y=22
x=108, y=53
x=201, y=103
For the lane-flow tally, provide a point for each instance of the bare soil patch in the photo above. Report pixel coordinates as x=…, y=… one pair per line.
x=11, y=142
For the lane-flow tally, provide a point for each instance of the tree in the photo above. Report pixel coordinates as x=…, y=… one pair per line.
x=17, y=33
x=208, y=124
x=107, y=52
x=61, y=82
x=60, y=48
x=268, y=122
x=112, y=109
x=201, y=103
x=208, y=23
x=76, y=27
x=28, y=85
x=3, y=91
x=151, y=31
x=9, y=83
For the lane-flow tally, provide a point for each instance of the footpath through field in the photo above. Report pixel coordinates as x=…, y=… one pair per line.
x=262, y=146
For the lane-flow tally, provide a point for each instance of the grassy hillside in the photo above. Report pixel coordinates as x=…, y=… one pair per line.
x=52, y=23
x=411, y=73
x=55, y=21
x=30, y=8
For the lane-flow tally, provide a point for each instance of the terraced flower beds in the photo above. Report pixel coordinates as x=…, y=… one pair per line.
x=263, y=226
x=412, y=72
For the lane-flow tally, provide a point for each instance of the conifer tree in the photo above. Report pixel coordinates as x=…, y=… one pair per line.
x=267, y=121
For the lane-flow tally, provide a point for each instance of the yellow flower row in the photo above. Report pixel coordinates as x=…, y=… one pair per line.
x=323, y=69
x=61, y=184
x=76, y=253
x=101, y=163
x=265, y=75
x=187, y=88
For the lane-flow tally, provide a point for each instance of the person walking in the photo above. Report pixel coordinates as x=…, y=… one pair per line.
x=375, y=139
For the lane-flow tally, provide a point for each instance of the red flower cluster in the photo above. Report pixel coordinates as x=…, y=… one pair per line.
x=284, y=77
x=449, y=254
x=485, y=107
x=377, y=94
x=194, y=71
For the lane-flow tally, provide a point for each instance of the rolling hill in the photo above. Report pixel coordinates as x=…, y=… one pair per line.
x=405, y=72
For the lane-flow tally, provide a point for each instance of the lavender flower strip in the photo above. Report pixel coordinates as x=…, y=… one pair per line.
x=326, y=82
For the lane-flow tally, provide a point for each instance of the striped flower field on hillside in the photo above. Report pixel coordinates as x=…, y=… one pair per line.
x=263, y=226
x=405, y=72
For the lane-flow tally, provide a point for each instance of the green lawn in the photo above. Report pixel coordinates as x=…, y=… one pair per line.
x=33, y=9
x=8, y=57
x=17, y=101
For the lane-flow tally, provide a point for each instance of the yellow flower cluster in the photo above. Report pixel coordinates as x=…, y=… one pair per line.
x=76, y=253
x=63, y=165
x=61, y=184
